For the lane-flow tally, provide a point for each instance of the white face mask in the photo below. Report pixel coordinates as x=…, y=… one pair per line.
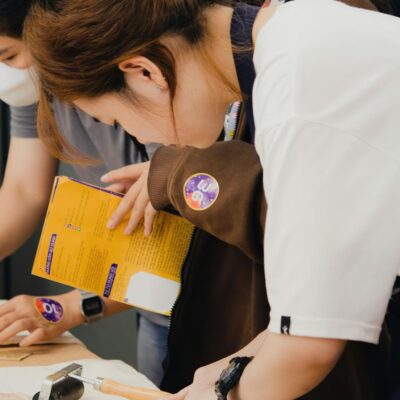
x=17, y=87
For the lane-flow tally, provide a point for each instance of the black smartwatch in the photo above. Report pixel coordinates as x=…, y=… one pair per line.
x=231, y=376
x=92, y=307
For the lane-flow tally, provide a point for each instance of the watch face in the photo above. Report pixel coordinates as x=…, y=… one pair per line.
x=92, y=306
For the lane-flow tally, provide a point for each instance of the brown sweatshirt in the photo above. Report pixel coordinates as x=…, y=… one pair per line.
x=223, y=304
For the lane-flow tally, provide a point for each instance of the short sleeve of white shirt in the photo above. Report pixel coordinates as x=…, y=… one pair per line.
x=330, y=150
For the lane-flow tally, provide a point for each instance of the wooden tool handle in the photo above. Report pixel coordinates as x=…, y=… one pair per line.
x=129, y=392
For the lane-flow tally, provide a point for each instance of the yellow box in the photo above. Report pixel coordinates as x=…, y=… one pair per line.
x=76, y=249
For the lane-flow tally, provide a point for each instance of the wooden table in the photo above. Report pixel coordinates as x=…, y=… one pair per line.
x=68, y=349
x=49, y=354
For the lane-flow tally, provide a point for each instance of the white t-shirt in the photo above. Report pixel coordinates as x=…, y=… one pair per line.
x=327, y=113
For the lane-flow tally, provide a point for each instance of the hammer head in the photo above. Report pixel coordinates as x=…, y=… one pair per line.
x=61, y=381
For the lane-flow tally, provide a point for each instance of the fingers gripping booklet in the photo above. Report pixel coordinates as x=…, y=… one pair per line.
x=76, y=249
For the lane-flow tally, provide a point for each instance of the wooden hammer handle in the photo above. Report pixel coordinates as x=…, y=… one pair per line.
x=129, y=392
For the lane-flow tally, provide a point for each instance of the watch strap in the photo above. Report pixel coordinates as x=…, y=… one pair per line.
x=230, y=376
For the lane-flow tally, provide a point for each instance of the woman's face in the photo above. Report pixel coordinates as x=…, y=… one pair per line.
x=147, y=125
x=14, y=53
x=198, y=112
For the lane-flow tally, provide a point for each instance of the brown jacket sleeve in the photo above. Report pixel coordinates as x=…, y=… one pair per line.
x=238, y=214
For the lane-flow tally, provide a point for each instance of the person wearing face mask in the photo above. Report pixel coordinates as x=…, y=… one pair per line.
x=27, y=184
x=17, y=88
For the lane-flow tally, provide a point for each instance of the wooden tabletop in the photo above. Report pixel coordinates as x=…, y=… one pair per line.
x=48, y=354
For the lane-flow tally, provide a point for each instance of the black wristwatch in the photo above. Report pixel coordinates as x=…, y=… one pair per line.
x=92, y=307
x=231, y=376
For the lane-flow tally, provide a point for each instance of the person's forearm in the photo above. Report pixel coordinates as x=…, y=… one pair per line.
x=287, y=367
x=19, y=215
x=114, y=307
x=248, y=351
x=172, y=168
x=72, y=301
x=25, y=191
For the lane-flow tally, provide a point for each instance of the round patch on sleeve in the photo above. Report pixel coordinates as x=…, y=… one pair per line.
x=201, y=191
x=52, y=311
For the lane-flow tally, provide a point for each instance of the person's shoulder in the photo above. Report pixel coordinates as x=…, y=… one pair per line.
x=263, y=18
x=68, y=113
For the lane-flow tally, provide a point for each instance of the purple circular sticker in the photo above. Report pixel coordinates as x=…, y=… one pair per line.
x=201, y=191
x=52, y=311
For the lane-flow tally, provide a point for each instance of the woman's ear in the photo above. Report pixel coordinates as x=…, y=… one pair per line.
x=142, y=69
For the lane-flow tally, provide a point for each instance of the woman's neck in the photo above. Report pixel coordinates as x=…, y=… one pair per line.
x=216, y=84
x=224, y=81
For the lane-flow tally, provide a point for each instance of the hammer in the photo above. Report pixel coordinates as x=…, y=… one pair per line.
x=67, y=384
x=108, y=386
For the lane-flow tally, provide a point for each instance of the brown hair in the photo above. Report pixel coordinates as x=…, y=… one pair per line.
x=78, y=44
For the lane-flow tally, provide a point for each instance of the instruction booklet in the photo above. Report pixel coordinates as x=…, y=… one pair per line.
x=76, y=249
